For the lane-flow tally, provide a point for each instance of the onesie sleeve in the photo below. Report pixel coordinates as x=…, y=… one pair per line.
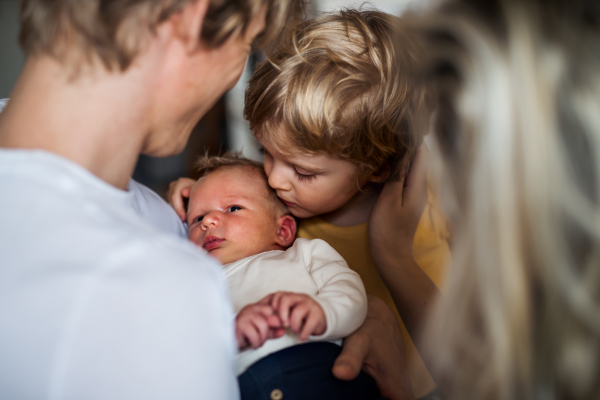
x=341, y=292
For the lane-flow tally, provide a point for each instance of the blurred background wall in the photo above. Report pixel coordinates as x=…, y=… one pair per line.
x=11, y=57
x=222, y=129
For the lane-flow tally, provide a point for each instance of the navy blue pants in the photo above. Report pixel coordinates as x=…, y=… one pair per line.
x=303, y=372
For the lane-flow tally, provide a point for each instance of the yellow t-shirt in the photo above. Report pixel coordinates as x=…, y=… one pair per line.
x=432, y=253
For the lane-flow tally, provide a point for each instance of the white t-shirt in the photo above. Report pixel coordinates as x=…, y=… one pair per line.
x=96, y=303
x=153, y=209
x=149, y=205
x=310, y=266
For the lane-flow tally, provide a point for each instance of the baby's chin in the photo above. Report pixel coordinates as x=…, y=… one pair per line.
x=225, y=257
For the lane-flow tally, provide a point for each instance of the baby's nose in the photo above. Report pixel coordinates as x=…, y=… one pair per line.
x=211, y=219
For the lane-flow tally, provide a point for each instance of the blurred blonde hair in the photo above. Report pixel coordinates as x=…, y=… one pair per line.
x=518, y=130
x=115, y=30
x=336, y=89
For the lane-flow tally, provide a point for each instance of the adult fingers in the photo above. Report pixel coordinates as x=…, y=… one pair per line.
x=416, y=178
x=354, y=351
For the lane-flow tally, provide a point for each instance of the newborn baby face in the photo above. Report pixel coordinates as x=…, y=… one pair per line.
x=230, y=214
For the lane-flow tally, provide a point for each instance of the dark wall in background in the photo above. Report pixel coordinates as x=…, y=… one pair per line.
x=11, y=57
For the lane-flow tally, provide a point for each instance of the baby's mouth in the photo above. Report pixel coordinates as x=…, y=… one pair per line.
x=212, y=242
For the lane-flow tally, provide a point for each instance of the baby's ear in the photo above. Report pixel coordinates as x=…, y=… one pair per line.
x=286, y=230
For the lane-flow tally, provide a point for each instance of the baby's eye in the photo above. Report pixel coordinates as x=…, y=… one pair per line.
x=198, y=219
x=234, y=208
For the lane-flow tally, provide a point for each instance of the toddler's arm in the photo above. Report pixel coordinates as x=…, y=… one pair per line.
x=341, y=293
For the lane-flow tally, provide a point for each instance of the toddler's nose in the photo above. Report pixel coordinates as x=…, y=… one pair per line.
x=278, y=181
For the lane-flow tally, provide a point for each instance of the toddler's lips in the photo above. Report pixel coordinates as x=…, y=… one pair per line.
x=212, y=242
x=288, y=203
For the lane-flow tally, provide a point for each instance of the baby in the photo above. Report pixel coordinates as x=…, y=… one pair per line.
x=282, y=298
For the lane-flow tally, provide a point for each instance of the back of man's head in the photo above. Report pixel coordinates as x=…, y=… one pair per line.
x=114, y=31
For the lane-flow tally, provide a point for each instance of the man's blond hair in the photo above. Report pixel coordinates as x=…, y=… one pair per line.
x=341, y=87
x=114, y=31
x=209, y=164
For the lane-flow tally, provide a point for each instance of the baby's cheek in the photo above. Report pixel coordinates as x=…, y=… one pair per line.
x=194, y=238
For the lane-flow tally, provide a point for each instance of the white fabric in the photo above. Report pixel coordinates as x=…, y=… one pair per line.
x=153, y=209
x=97, y=304
x=310, y=266
x=149, y=205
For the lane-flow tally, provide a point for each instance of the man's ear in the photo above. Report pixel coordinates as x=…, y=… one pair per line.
x=188, y=23
x=286, y=232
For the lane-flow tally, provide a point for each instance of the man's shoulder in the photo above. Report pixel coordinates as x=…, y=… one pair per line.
x=153, y=209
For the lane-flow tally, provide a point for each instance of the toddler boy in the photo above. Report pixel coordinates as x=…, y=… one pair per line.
x=281, y=297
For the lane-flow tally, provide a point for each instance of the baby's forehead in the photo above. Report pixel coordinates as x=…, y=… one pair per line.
x=241, y=179
x=247, y=172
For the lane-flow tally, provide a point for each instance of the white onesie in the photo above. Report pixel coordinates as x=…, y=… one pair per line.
x=310, y=266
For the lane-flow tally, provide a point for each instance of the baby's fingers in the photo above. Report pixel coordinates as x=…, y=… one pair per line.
x=298, y=316
x=263, y=329
x=311, y=326
x=241, y=338
x=286, y=303
x=253, y=336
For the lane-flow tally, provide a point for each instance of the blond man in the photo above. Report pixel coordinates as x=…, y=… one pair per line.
x=95, y=302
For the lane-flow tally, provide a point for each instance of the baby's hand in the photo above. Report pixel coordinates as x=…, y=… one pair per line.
x=178, y=191
x=255, y=324
x=300, y=312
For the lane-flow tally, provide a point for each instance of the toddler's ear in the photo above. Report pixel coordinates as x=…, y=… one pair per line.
x=382, y=175
x=286, y=230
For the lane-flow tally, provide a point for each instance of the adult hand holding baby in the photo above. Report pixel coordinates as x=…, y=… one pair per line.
x=378, y=349
x=392, y=228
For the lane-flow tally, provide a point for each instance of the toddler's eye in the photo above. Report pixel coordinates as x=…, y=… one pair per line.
x=198, y=219
x=234, y=208
x=303, y=177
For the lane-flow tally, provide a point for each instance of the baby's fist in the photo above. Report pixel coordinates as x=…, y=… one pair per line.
x=255, y=324
x=301, y=313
